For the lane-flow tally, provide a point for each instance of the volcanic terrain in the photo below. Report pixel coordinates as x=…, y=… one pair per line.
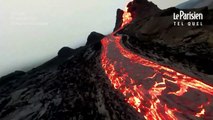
x=146, y=69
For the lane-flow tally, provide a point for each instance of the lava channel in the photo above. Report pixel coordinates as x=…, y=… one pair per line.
x=155, y=91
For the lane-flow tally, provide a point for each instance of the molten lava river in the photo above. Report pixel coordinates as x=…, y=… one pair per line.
x=155, y=91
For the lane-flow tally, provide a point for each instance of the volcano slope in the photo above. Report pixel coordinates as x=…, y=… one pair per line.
x=102, y=81
x=77, y=89
x=187, y=50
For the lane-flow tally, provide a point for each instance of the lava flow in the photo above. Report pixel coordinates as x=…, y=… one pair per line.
x=126, y=17
x=155, y=91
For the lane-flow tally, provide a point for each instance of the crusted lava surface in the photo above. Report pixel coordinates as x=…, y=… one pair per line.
x=147, y=69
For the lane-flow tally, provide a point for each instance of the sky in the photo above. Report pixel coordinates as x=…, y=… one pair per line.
x=32, y=31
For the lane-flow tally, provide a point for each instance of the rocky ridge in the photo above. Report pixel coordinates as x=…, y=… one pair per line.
x=73, y=86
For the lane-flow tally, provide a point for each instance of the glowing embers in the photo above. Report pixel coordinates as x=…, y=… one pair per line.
x=127, y=17
x=157, y=92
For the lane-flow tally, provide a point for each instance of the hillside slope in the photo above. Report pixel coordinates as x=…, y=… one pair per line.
x=78, y=85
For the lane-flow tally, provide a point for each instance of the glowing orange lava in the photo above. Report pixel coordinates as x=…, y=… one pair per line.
x=127, y=18
x=155, y=91
x=151, y=101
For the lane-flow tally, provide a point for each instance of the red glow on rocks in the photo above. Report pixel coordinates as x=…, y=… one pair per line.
x=202, y=112
x=150, y=102
x=158, y=92
x=127, y=18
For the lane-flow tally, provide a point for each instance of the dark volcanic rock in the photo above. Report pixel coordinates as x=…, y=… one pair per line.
x=189, y=46
x=94, y=37
x=142, y=8
x=65, y=52
x=138, y=9
x=119, y=16
x=73, y=86
x=76, y=89
x=87, y=93
x=10, y=76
